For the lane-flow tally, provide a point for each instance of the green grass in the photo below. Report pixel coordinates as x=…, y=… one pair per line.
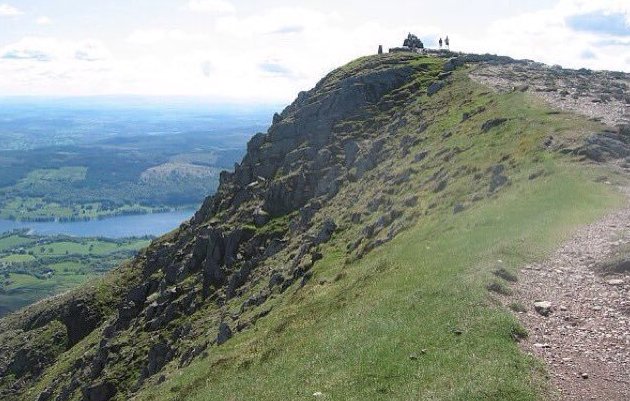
x=17, y=258
x=37, y=209
x=85, y=247
x=26, y=262
x=19, y=205
x=8, y=242
x=351, y=339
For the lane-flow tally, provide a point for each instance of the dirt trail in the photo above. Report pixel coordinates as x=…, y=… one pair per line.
x=585, y=340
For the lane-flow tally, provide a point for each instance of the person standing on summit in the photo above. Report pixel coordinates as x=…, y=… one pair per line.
x=447, y=42
x=440, y=42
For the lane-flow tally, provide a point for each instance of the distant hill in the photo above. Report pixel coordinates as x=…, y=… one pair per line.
x=92, y=159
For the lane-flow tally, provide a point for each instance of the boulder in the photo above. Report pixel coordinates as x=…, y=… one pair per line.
x=80, y=319
x=260, y=217
x=543, y=308
x=605, y=146
x=435, y=87
x=495, y=122
x=213, y=274
x=224, y=333
x=103, y=391
x=325, y=232
x=158, y=357
x=497, y=179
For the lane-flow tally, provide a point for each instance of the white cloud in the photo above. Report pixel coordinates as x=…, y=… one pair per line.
x=49, y=49
x=272, y=54
x=288, y=50
x=91, y=50
x=217, y=7
x=43, y=20
x=547, y=37
x=7, y=10
x=155, y=36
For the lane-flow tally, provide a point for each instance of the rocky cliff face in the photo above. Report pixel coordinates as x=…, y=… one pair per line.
x=288, y=174
x=346, y=160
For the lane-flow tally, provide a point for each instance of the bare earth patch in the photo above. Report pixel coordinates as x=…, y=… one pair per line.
x=585, y=340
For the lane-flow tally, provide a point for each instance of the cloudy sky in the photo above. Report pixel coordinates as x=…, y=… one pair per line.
x=267, y=50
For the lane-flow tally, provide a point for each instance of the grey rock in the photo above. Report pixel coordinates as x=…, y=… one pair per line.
x=497, y=178
x=410, y=201
x=213, y=273
x=224, y=333
x=420, y=156
x=453, y=63
x=261, y=217
x=351, y=150
x=325, y=232
x=45, y=395
x=441, y=186
x=495, y=122
x=543, y=308
x=158, y=357
x=605, y=146
x=100, y=392
x=435, y=87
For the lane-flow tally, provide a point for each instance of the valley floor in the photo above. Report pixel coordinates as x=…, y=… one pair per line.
x=585, y=339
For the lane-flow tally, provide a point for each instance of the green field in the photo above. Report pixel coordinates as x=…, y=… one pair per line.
x=32, y=267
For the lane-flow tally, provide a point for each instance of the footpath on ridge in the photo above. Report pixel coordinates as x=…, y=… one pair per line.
x=578, y=316
x=583, y=332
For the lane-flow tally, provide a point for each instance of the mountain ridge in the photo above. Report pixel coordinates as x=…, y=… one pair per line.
x=376, y=147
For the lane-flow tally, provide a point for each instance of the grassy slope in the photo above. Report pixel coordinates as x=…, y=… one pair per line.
x=351, y=331
x=351, y=338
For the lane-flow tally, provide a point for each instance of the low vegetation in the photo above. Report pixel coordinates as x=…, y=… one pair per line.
x=34, y=267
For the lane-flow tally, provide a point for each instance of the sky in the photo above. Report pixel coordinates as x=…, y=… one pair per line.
x=268, y=50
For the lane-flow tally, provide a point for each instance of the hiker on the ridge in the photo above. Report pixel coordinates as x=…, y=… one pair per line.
x=447, y=42
x=440, y=42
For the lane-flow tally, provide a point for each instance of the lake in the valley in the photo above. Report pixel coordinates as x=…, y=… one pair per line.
x=154, y=224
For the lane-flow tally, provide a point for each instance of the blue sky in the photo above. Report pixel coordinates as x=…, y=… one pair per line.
x=237, y=50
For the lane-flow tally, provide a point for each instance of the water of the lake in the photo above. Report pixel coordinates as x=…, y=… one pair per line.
x=115, y=227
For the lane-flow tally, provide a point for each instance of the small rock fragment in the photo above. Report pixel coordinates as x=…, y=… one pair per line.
x=543, y=308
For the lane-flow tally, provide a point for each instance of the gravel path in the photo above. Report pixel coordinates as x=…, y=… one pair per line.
x=585, y=340
x=597, y=94
x=581, y=329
